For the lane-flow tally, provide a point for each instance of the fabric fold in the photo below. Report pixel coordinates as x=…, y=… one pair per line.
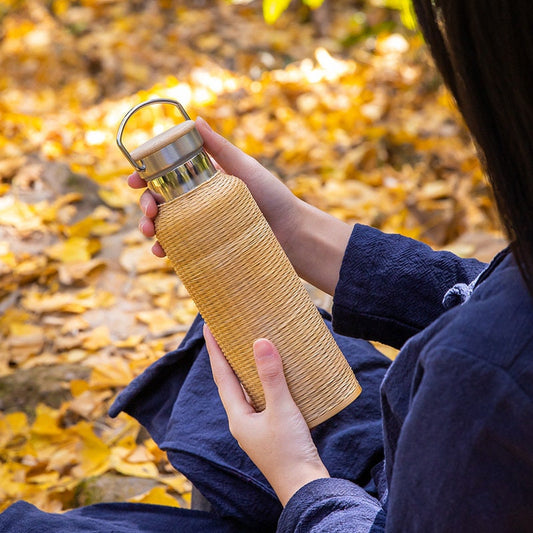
x=177, y=401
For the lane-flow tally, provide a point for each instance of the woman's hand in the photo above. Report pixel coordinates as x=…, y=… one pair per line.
x=276, y=201
x=313, y=240
x=277, y=439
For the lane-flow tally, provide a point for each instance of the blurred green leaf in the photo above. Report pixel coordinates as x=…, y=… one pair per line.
x=272, y=9
x=313, y=4
x=407, y=13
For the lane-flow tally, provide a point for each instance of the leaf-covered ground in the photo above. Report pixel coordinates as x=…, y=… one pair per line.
x=342, y=104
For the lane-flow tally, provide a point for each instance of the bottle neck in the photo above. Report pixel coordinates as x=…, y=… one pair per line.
x=184, y=177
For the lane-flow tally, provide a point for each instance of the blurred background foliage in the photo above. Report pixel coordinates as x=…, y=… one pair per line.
x=272, y=9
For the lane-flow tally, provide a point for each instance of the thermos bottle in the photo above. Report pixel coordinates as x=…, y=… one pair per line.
x=239, y=277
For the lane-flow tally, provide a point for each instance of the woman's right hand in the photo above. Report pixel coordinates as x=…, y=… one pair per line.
x=313, y=240
x=279, y=206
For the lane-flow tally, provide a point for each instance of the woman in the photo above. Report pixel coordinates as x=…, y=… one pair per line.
x=456, y=452
x=458, y=401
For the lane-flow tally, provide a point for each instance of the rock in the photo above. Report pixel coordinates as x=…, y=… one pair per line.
x=26, y=388
x=40, y=180
x=110, y=487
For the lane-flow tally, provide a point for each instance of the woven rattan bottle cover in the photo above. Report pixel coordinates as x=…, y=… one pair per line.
x=239, y=277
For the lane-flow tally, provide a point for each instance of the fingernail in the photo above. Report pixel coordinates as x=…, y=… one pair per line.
x=263, y=349
x=141, y=226
x=204, y=123
x=142, y=203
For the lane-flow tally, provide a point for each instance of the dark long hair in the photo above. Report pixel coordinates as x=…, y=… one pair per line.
x=484, y=51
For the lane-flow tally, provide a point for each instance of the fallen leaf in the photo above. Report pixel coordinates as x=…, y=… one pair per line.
x=110, y=372
x=139, y=259
x=74, y=272
x=156, y=496
x=158, y=321
x=120, y=463
x=96, y=338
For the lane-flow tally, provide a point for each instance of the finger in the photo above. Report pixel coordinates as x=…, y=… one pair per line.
x=135, y=181
x=157, y=250
x=228, y=156
x=229, y=387
x=148, y=204
x=157, y=197
x=146, y=226
x=270, y=370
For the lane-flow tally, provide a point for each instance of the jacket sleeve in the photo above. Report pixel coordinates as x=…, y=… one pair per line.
x=463, y=461
x=332, y=505
x=391, y=287
x=459, y=466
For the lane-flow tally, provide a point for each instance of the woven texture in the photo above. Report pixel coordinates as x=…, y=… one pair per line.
x=245, y=287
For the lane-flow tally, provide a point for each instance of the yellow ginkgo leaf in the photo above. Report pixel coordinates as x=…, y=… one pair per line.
x=95, y=455
x=97, y=338
x=46, y=421
x=157, y=320
x=111, y=372
x=177, y=482
x=119, y=462
x=156, y=496
x=74, y=249
x=78, y=386
x=17, y=423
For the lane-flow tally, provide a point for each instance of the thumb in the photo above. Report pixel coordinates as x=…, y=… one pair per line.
x=228, y=156
x=270, y=370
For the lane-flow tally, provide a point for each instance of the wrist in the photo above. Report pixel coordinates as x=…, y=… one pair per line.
x=295, y=222
x=294, y=480
x=317, y=245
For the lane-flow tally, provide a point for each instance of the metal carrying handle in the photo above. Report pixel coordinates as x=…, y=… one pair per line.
x=130, y=113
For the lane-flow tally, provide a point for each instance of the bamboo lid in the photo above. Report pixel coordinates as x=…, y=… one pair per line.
x=168, y=150
x=163, y=139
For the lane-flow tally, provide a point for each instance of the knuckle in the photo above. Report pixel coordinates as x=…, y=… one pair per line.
x=223, y=151
x=145, y=196
x=234, y=429
x=271, y=375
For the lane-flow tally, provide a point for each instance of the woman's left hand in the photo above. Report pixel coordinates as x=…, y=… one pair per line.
x=277, y=439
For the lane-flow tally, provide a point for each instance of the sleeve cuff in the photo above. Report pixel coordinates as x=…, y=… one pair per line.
x=391, y=287
x=330, y=504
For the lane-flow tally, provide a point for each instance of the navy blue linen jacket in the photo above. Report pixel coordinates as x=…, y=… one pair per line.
x=457, y=401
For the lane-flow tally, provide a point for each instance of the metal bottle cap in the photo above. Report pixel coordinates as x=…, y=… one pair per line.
x=173, y=162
